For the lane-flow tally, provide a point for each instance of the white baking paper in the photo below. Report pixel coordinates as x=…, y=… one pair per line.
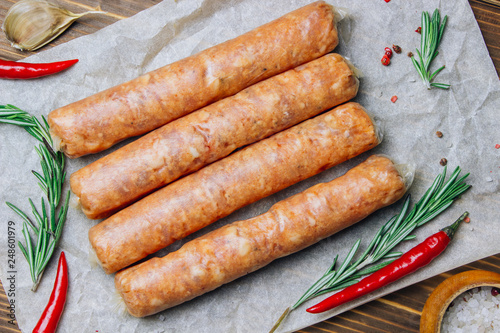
x=467, y=115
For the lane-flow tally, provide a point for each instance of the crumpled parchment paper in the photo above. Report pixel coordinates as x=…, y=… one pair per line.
x=467, y=115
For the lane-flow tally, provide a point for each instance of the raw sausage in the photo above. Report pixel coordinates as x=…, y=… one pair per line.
x=187, y=144
x=236, y=249
x=222, y=187
x=211, y=133
x=158, y=97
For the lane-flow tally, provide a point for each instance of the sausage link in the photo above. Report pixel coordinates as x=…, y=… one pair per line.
x=222, y=187
x=158, y=97
x=211, y=133
x=234, y=250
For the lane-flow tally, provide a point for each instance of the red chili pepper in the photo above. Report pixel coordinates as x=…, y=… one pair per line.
x=24, y=70
x=385, y=60
x=52, y=313
x=417, y=257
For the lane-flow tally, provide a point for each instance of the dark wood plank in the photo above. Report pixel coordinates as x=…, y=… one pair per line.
x=399, y=311
x=487, y=14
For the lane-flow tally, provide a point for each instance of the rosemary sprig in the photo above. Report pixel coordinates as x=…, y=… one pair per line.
x=48, y=224
x=431, y=34
x=398, y=229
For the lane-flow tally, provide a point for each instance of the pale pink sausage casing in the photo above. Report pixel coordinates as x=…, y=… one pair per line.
x=222, y=187
x=211, y=133
x=136, y=107
x=239, y=248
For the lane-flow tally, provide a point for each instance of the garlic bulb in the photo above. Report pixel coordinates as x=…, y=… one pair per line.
x=30, y=24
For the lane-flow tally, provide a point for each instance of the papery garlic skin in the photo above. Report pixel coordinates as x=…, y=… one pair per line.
x=31, y=24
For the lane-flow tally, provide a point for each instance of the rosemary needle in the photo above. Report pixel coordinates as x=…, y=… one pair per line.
x=431, y=35
x=46, y=225
x=436, y=199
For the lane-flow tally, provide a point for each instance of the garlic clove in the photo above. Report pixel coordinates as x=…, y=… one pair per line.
x=31, y=24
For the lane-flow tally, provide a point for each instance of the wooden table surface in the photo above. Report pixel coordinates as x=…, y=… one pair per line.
x=397, y=312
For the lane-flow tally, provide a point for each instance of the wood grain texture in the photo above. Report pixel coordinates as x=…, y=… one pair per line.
x=397, y=312
x=487, y=14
